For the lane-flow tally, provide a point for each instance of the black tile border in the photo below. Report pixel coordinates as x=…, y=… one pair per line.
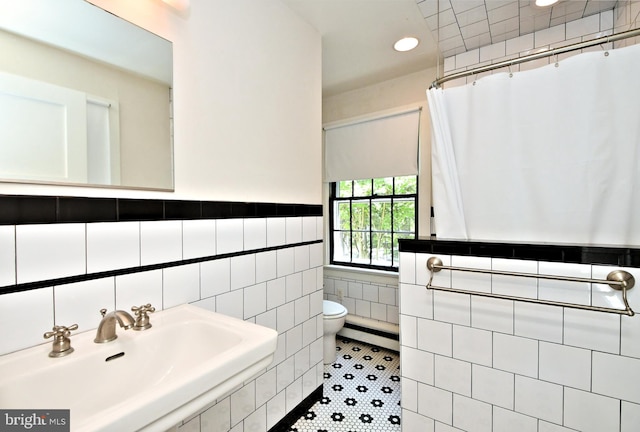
x=25, y=209
x=294, y=415
x=576, y=254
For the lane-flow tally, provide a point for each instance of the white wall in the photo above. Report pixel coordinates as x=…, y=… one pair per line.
x=386, y=95
x=247, y=102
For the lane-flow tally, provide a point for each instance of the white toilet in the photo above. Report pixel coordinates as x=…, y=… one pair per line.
x=334, y=316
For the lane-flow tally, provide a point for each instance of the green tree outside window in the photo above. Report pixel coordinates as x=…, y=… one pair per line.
x=369, y=217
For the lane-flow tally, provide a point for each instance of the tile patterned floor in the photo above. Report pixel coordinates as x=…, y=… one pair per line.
x=361, y=392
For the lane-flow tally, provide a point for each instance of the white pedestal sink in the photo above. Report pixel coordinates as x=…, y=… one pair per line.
x=183, y=363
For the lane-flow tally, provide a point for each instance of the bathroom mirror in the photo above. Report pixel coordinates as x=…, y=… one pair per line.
x=85, y=98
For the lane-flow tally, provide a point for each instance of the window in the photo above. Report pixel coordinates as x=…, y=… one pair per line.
x=367, y=217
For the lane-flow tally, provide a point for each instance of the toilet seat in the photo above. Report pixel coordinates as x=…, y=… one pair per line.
x=332, y=309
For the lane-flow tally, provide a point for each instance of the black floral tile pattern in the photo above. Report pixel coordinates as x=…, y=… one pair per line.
x=361, y=392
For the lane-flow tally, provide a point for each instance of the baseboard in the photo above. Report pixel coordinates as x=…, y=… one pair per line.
x=377, y=333
x=294, y=415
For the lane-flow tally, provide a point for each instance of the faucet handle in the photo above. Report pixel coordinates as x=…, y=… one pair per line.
x=142, y=317
x=61, y=342
x=61, y=331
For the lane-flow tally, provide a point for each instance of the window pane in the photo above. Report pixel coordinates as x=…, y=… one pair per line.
x=344, y=189
x=381, y=215
x=383, y=186
x=361, y=247
x=362, y=188
x=404, y=215
x=360, y=215
x=370, y=216
x=395, y=246
x=406, y=185
x=342, y=215
x=381, y=249
x=341, y=246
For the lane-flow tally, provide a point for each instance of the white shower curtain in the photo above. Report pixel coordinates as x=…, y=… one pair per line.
x=548, y=155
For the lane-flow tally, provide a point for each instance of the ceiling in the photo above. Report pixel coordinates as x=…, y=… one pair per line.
x=463, y=25
x=358, y=38
x=358, y=35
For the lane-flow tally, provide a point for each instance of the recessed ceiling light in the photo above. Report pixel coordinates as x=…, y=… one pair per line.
x=406, y=44
x=545, y=3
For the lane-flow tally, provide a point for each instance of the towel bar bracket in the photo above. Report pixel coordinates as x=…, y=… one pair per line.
x=434, y=264
x=621, y=280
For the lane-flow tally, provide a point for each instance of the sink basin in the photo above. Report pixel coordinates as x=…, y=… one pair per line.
x=188, y=359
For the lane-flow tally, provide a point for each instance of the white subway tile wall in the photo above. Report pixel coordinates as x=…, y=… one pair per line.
x=79, y=303
x=229, y=236
x=550, y=367
x=255, y=233
x=198, y=238
x=180, y=285
x=293, y=230
x=281, y=289
x=28, y=315
x=528, y=368
x=136, y=289
x=49, y=251
x=7, y=255
x=112, y=247
x=276, y=231
x=160, y=241
x=363, y=298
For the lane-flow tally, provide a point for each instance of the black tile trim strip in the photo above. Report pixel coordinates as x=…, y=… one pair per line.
x=25, y=209
x=577, y=254
x=119, y=272
x=381, y=333
x=295, y=414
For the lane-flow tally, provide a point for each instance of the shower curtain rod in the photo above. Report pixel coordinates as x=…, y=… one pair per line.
x=530, y=57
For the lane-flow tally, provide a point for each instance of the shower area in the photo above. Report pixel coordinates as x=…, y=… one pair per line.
x=508, y=321
x=549, y=154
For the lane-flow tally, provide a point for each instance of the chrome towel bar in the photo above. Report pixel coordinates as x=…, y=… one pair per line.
x=619, y=280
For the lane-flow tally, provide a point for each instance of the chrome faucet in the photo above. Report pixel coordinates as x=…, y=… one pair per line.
x=107, y=328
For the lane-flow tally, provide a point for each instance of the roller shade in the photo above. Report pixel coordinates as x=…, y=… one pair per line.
x=382, y=147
